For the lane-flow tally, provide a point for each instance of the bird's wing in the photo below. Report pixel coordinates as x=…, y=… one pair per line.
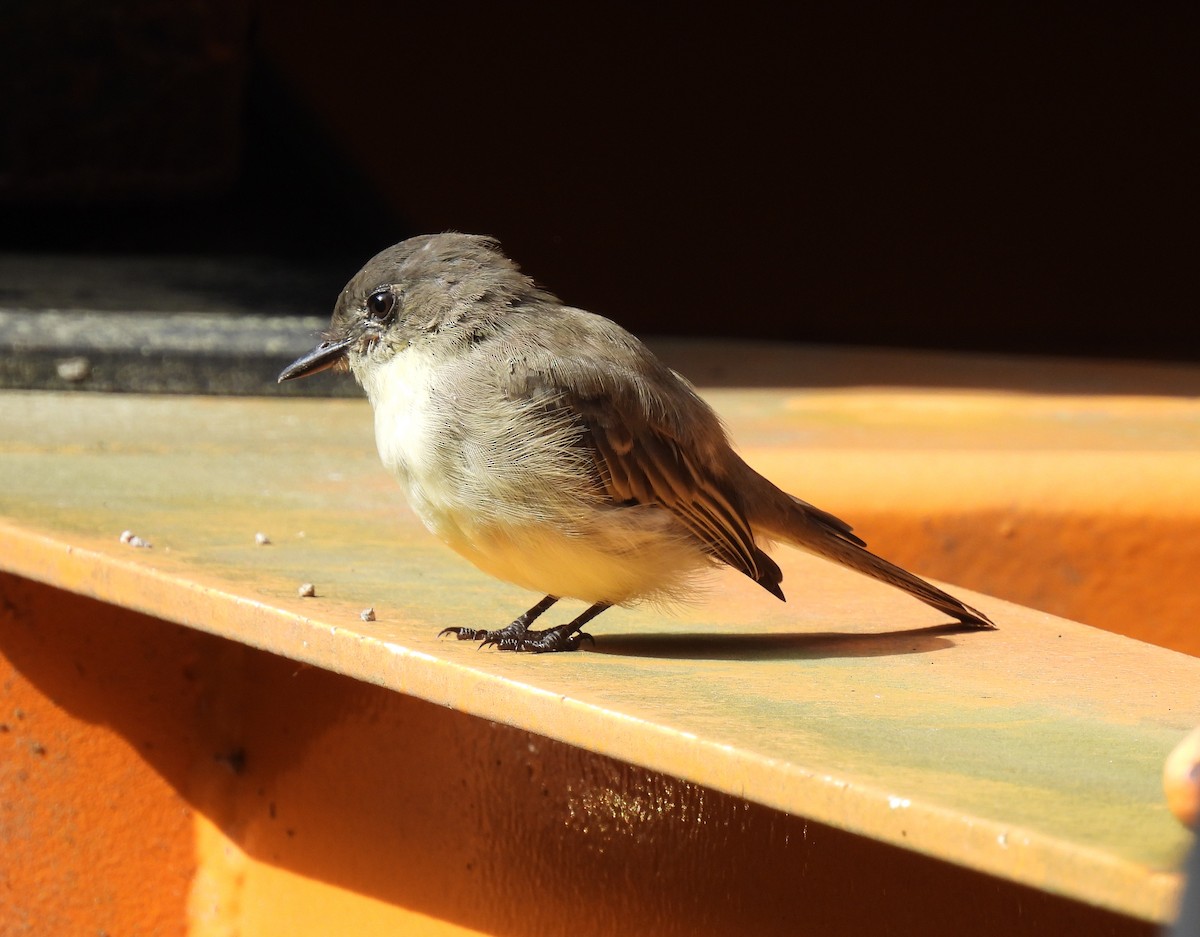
x=653, y=448
x=643, y=465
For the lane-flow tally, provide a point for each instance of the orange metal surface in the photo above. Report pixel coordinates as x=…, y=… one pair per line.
x=259, y=796
x=1033, y=753
x=91, y=761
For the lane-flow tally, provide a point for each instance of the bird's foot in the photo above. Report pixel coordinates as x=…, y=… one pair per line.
x=518, y=637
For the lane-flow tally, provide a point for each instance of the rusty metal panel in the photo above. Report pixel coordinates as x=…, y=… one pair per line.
x=1032, y=753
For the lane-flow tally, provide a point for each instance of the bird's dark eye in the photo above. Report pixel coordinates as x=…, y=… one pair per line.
x=381, y=304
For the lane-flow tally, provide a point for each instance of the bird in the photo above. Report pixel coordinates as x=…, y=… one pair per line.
x=553, y=450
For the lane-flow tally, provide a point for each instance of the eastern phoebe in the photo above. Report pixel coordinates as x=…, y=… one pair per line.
x=553, y=450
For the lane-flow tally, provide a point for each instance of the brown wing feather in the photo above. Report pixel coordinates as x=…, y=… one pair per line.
x=647, y=447
x=649, y=467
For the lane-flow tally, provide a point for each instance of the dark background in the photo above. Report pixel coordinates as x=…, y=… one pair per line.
x=884, y=175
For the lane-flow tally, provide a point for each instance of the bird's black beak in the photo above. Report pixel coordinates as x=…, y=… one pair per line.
x=324, y=356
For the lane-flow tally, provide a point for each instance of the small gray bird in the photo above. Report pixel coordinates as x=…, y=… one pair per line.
x=553, y=450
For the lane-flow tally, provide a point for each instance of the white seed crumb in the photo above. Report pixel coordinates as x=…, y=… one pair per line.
x=307, y=591
x=367, y=614
x=262, y=539
x=73, y=370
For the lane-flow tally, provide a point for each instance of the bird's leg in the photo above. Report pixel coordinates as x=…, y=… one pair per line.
x=517, y=629
x=566, y=637
x=518, y=637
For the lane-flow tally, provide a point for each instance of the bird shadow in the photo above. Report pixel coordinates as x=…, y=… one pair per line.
x=777, y=646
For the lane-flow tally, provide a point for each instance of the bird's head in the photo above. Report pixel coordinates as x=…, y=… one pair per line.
x=450, y=285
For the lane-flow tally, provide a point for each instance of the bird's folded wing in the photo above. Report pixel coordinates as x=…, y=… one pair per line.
x=638, y=462
x=646, y=467
x=648, y=447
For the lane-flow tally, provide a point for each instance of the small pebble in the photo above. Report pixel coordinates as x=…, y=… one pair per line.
x=367, y=614
x=262, y=539
x=307, y=591
x=130, y=538
x=73, y=370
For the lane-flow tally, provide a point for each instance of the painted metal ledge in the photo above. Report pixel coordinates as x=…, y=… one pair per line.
x=1032, y=753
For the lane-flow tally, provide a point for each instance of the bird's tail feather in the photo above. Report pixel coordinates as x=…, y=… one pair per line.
x=864, y=561
x=799, y=523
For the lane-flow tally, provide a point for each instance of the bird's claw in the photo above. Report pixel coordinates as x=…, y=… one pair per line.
x=465, y=634
x=510, y=638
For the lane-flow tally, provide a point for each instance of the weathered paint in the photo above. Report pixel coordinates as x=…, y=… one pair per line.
x=1032, y=753
x=188, y=784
